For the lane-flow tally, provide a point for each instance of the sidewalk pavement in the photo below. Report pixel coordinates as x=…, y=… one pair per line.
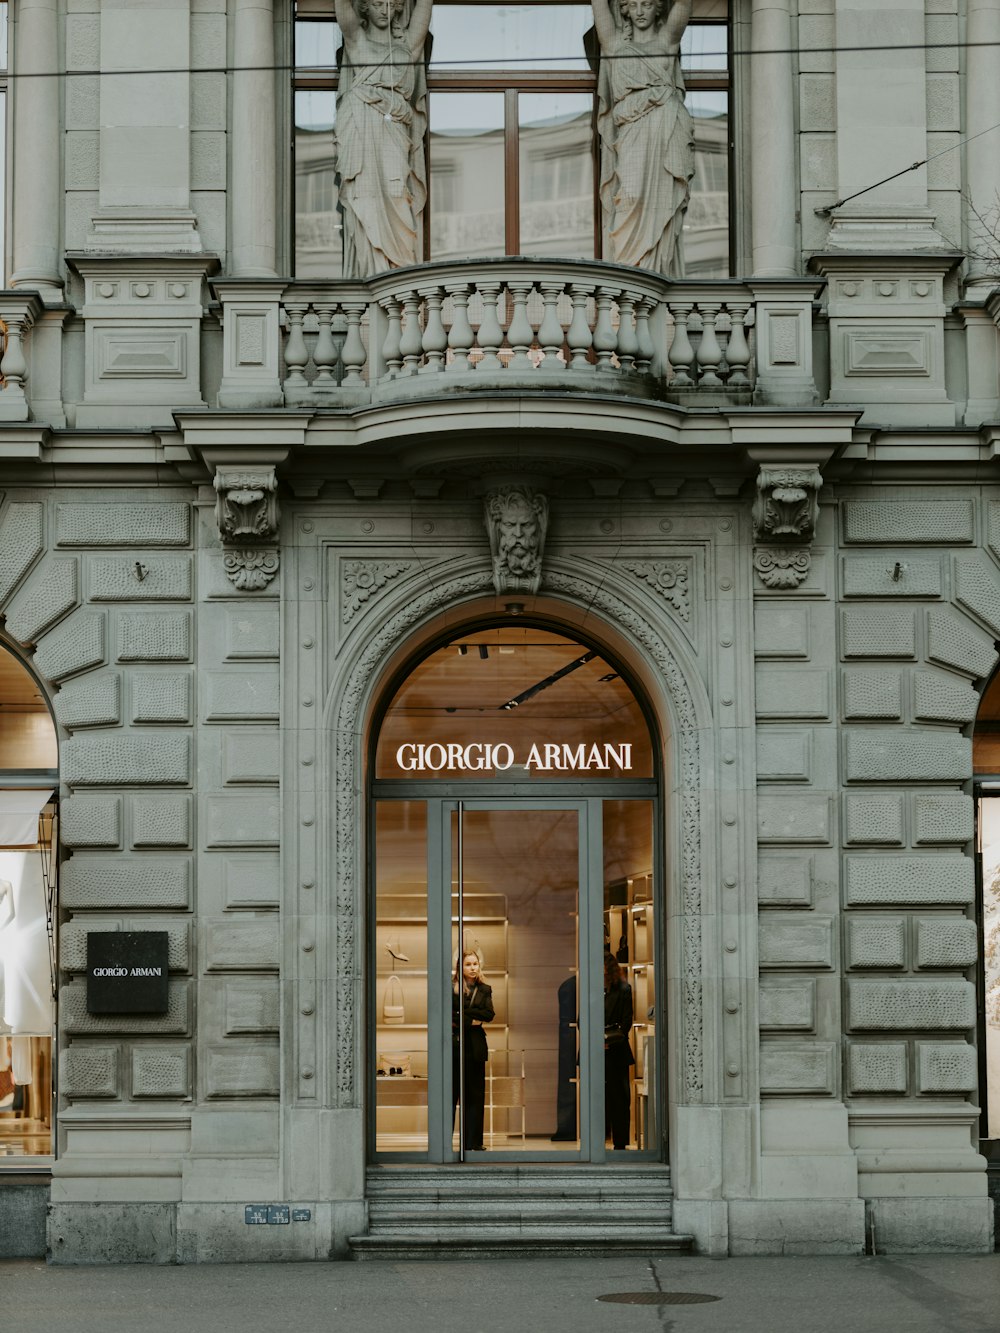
x=908, y=1294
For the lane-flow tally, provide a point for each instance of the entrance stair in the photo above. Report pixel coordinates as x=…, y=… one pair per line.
x=466, y=1211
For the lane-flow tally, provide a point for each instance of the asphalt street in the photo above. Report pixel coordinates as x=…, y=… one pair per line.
x=912, y=1294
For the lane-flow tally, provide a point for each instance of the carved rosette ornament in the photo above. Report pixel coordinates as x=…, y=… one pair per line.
x=785, y=513
x=246, y=510
x=517, y=519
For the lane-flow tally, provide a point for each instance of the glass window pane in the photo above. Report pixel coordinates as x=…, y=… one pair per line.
x=521, y=922
x=514, y=703
x=706, y=227
x=989, y=826
x=467, y=175
x=704, y=47
x=316, y=44
x=400, y=997
x=556, y=174
x=318, y=247
x=510, y=36
x=630, y=1079
x=3, y=35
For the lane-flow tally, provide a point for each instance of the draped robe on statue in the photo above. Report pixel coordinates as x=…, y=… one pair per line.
x=647, y=156
x=381, y=118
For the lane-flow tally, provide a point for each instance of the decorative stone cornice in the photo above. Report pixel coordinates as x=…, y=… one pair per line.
x=786, y=506
x=517, y=519
x=246, y=506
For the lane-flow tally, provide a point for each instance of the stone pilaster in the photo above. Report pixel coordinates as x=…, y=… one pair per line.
x=37, y=141
x=253, y=185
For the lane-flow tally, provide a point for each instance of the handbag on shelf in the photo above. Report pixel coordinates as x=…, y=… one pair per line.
x=393, y=1006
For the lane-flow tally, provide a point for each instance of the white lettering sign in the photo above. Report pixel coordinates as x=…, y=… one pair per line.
x=482, y=756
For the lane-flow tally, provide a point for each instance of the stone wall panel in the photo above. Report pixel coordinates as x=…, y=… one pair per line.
x=242, y=820
x=92, y=701
x=938, y=697
x=163, y=578
x=154, y=638
x=945, y=941
x=878, y=631
x=781, y=630
x=104, y=882
x=234, y=695
x=787, y=1004
x=76, y=1021
x=161, y=698
x=921, y=522
x=942, y=817
x=873, y=819
x=91, y=821
x=792, y=693
x=872, y=694
x=124, y=759
x=876, y=1067
x=135, y=524
x=251, y=632
x=953, y=642
x=919, y=881
x=977, y=587
x=798, y=1069
x=793, y=940
x=793, y=818
x=51, y=592
x=242, y=1069
x=876, y=942
x=161, y=821
x=247, y=944
x=88, y=1070
x=909, y=756
x=163, y=1071
x=73, y=939
x=21, y=544
x=945, y=1067
x=251, y=1005
x=905, y=1004
x=74, y=646
x=785, y=881
x=877, y=576
x=251, y=757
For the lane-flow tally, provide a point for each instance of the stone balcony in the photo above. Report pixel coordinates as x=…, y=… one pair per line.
x=516, y=325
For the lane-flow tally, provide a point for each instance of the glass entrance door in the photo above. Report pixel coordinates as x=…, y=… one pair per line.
x=499, y=1031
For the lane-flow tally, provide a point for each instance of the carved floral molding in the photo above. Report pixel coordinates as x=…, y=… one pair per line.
x=361, y=580
x=246, y=510
x=669, y=579
x=785, y=514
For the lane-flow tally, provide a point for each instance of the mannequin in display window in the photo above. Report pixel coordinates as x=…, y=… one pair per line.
x=618, y=1057
x=472, y=1006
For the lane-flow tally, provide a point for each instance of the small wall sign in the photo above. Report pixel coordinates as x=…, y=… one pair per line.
x=127, y=972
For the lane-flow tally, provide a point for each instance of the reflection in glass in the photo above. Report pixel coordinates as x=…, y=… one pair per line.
x=556, y=174
x=704, y=46
x=630, y=1086
x=316, y=44
x=467, y=175
x=521, y=896
x=514, y=702
x=706, y=227
x=510, y=36
x=400, y=965
x=989, y=827
x=318, y=231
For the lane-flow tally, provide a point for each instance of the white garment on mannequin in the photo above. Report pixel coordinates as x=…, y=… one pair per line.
x=20, y=1060
x=24, y=948
x=4, y=1053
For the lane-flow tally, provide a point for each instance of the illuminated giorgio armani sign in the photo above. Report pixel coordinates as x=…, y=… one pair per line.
x=545, y=757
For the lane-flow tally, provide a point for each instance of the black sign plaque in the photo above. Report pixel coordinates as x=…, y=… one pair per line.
x=127, y=972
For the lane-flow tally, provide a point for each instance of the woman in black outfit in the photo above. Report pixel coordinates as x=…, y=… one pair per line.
x=618, y=1057
x=473, y=1006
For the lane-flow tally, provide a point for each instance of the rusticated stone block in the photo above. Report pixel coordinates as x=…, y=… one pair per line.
x=76, y=1021
x=91, y=821
x=873, y=818
x=161, y=698
x=164, y=578
x=878, y=942
x=87, y=1070
x=72, y=647
x=787, y=1004
x=242, y=821
x=73, y=939
x=878, y=631
x=163, y=1070
x=21, y=543
x=134, y=524
x=922, y=522
x=250, y=944
x=783, y=756
x=793, y=818
x=251, y=756
x=910, y=1005
x=939, y=697
x=792, y=693
x=977, y=587
x=242, y=1069
x=251, y=632
x=251, y=881
x=161, y=821
x=872, y=694
x=945, y=1067
x=101, y=882
x=953, y=641
x=798, y=1068
x=946, y=941
x=154, y=638
x=123, y=759
x=233, y=695
x=93, y=701
x=794, y=940
x=780, y=630
x=876, y=1067
x=876, y=576
x=942, y=817
x=907, y=756
x=51, y=592
x=251, y=1006
x=877, y=881
x=784, y=881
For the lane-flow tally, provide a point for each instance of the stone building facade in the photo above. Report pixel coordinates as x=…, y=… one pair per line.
x=241, y=508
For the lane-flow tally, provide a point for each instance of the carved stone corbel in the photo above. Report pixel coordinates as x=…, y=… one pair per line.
x=517, y=519
x=246, y=510
x=785, y=513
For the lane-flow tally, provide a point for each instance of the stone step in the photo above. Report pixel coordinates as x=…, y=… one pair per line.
x=526, y=1243
x=487, y=1222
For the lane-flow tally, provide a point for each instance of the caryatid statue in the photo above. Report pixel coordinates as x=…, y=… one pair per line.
x=647, y=137
x=379, y=133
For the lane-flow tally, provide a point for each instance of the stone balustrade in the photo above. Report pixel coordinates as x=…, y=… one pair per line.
x=590, y=326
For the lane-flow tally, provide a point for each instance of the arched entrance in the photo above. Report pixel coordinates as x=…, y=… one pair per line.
x=515, y=840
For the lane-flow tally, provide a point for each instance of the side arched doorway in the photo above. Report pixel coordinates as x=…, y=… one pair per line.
x=986, y=767
x=515, y=834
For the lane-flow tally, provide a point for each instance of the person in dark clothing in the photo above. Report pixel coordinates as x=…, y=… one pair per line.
x=471, y=1006
x=618, y=1057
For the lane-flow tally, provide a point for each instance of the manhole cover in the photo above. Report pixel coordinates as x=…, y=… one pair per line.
x=658, y=1298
